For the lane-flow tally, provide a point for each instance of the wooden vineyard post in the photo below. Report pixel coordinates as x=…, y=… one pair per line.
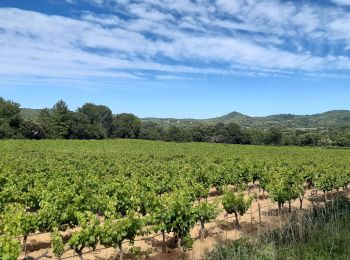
x=259, y=213
x=251, y=217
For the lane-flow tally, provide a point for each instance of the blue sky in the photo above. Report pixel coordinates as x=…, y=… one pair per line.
x=182, y=58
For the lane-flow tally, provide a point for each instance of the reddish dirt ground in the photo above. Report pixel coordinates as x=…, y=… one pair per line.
x=220, y=231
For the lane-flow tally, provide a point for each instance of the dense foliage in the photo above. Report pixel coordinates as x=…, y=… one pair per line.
x=143, y=186
x=97, y=122
x=236, y=203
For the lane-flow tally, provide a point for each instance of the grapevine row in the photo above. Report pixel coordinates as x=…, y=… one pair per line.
x=117, y=190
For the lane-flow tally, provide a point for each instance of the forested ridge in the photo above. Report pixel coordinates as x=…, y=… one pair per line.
x=92, y=121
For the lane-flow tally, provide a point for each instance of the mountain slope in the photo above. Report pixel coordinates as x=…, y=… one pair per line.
x=29, y=113
x=333, y=119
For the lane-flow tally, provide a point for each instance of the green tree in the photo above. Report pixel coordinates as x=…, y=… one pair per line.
x=151, y=131
x=342, y=141
x=177, y=134
x=125, y=126
x=234, y=134
x=10, y=119
x=82, y=128
x=56, y=121
x=32, y=130
x=98, y=115
x=44, y=119
x=6, y=131
x=274, y=136
x=256, y=136
x=61, y=116
x=218, y=133
x=307, y=139
x=199, y=134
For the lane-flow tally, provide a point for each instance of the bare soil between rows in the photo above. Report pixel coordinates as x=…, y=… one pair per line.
x=220, y=231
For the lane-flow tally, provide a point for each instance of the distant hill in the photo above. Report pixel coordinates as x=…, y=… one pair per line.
x=330, y=119
x=336, y=118
x=30, y=113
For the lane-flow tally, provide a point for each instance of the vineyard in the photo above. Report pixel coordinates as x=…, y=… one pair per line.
x=92, y=195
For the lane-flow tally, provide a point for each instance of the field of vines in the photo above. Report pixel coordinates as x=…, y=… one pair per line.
x=110, y=192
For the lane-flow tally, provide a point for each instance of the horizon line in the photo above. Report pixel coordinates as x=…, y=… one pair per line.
x=215, y=117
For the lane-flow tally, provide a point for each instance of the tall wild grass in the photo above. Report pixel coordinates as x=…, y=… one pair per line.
x=321, y=233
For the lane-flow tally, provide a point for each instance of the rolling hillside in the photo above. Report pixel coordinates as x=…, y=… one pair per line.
x=30, y=113
x=330, y=119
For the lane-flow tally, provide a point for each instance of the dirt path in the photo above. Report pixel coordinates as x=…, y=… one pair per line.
x=221, y=230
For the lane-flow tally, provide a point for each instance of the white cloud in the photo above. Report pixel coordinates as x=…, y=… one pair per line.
x=341, y=2
x=223, y=37
x=232, y=7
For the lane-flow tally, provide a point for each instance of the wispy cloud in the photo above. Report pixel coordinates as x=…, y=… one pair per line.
x=177, y=39
x=341, y=2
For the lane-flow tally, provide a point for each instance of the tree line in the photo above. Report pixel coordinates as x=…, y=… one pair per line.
x=97, y=122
